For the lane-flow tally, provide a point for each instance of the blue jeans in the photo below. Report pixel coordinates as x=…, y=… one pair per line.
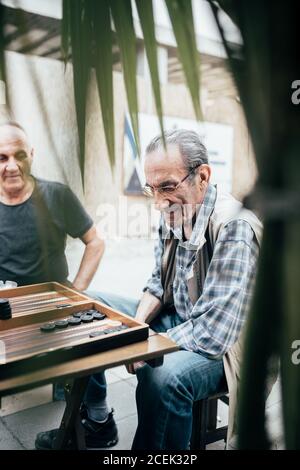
x=95, y=394
x=164, y=394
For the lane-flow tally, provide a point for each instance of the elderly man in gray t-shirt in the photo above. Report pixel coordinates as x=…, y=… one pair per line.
x=35, y=218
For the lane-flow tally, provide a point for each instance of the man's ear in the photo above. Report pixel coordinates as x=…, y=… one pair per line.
x=32, y=152
x=204, y=173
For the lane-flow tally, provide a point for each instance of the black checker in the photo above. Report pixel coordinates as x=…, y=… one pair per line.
x=47, y=327
x=73, y=321
x=87, y=318
x=61, y=323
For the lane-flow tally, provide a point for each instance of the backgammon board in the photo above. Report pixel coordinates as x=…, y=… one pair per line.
x=52, y=323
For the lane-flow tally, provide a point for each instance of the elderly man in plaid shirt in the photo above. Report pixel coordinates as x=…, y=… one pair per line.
x=204, y=304
x=199, y=292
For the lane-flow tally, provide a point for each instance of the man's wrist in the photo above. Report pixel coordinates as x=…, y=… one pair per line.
x=153, y=292
x=140, y=316
x=80, y=286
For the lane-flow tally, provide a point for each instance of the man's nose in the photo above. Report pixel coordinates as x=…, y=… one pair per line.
x=12, y=164
x=161, y=203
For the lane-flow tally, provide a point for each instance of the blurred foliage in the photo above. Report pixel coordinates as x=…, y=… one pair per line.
x=264, y=67
x=87, y=30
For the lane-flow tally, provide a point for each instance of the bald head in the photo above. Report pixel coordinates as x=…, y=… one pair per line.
x=12, y=133
x=12, y=128
x=15, y=159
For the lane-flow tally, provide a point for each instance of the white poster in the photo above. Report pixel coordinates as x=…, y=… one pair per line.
x=218, y=139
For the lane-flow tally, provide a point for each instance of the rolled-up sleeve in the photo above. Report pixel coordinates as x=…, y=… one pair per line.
x=217, y=317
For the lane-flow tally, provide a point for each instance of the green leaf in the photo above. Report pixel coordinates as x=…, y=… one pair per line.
x=230, y=8
x=145, y=11
x=104, y=66
x=80, y=44
x=122, y=16
x=65, y=30
x=181, y=16
x=2, y=44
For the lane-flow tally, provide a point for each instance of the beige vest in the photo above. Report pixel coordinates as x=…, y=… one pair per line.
x=226, y=209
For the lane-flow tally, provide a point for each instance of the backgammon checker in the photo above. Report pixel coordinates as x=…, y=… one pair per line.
x=5, y=309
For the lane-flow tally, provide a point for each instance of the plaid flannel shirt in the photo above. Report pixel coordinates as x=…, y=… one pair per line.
x=212, y=325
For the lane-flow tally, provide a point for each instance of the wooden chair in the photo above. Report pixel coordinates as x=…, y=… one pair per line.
x=205, y=429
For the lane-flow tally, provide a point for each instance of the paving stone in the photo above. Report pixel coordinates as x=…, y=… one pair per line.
x=24, y=400
x=8, y=441
x=26, y=424
x=121, y=396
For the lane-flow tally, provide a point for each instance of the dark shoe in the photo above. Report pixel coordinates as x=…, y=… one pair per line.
x=97, y=435
x=44, y=440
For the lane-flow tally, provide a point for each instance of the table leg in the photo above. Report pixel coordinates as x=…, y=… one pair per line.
x=71, y=428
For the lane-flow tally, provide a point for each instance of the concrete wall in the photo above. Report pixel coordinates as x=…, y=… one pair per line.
x=229, y=111
x=41, y=98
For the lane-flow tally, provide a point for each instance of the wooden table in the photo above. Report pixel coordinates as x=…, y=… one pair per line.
x=33, y=358
x=77, y=371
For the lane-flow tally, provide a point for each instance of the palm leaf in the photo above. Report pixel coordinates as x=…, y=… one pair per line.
x=122, y=16
x=65, y=30
x=104, y=66
x=2, y=44
x=230, y=8
x=145, y=11
x=181, y=16
x=79, y=32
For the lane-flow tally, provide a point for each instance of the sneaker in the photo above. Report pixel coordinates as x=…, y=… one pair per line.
x=44, y=440
x=97, y=435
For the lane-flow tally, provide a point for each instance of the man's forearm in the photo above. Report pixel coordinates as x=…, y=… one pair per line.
x=90, y=261
x=148, y=308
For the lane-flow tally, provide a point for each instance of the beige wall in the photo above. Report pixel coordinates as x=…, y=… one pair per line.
x=229, y=111
x=42, y=100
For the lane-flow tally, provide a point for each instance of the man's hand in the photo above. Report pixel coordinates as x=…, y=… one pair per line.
x=132, y=368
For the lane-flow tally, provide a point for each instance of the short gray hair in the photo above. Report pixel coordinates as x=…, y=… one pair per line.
x=193, y=151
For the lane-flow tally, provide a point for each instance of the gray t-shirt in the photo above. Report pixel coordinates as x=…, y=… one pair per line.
x=33, y=234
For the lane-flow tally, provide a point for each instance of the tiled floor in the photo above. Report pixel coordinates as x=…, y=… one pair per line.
x=18, y=430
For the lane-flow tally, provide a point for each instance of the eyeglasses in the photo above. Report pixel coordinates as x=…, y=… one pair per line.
x=150, y=190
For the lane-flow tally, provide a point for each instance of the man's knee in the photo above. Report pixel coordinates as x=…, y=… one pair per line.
x=97, y=295
x=123, y=304
x=158, y=380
